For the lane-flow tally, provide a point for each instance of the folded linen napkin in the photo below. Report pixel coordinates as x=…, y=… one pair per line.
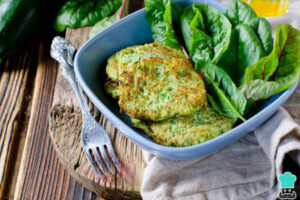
x=248, y=169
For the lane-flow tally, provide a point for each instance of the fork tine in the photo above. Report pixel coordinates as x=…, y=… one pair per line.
x=92, y=163
x=100, y=163
x=113, y=156
x=107, y=161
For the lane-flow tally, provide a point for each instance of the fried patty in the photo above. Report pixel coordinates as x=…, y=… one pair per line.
x=134, y=53
x=112, y=67
x=112, y=70
x=186, y=131
x=164, y=96
x=146, y=51
x=154, y=82
x=160, y=88
x=112, y=88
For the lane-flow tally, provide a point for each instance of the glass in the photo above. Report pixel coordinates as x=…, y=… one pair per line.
x=269, y=8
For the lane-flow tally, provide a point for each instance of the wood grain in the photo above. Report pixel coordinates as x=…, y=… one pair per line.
x=27, y=84
x=15, y=78
x=41, y=176
x=65, y=123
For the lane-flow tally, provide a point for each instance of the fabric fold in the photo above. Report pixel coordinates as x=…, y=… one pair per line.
x=247, y=169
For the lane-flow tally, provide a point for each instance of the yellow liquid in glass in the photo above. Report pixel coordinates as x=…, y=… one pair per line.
x=269, y=8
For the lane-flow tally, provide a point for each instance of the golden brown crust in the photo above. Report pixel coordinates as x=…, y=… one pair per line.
x=112, y=88
x=156, y=89
x=160, y=89
x=190, y=130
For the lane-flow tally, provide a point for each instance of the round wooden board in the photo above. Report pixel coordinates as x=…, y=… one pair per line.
x=65, y=127
x=65, y=123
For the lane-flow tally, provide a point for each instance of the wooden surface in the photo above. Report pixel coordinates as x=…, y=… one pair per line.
x=65, y=123
x=13, y=98
x=30, y=168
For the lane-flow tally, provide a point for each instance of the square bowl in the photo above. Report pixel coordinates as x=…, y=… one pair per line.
x=90, y=63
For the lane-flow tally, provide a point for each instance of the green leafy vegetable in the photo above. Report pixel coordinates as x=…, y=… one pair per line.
x=244, y=50
x=245, y=56
x=206, y=32
x=81, y=13
x=214, y=104
x=225, y=96
x=162, y=16
x=278, y=71
x=251, y=40
x=259, y=89
x=263, y=30
x=239, y=12
x=102, y=24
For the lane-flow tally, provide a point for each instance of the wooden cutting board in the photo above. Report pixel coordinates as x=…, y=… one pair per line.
x=65, y=125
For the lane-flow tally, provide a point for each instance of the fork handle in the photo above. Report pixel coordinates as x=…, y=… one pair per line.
x=63, y=52
x=69, y=74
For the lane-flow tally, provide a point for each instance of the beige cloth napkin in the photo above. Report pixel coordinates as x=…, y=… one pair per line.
x=248, y=169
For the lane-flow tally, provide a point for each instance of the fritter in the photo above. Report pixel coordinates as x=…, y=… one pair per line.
x=112, y=67
x=186, y=131
x=154, y=82
x=112, y=88
x=160, y=88
x=135, y=53
x=112, y=70
x=156, y=89
x=164, y=96
x=145, y=51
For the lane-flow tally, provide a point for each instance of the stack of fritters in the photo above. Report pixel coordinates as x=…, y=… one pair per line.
x=164, y=96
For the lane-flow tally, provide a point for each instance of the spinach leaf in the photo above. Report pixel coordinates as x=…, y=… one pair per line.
x=255, y=90
x=214, y=104
x=244, y=50
x=102, y=24
x=162, y=16
x=263, y=30
x=278, y=71
x=225, y=96
x=206, y=32
x=81, y=13
x=284, y=58
x=239, y=12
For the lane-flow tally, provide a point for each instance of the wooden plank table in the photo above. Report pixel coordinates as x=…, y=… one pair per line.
x=29, y=165
x=29, y=168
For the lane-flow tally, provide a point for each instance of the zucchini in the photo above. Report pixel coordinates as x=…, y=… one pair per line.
x=18, y=20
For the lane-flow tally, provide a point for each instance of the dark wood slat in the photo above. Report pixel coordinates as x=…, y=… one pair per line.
x=41, y=176
x=14, y=78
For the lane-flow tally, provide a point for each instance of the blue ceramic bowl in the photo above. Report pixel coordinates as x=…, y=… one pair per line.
x=90, y=63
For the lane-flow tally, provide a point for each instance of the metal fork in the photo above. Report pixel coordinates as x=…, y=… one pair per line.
x=94, y=138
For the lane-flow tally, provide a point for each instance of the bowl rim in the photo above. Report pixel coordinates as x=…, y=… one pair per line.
x=134, y=136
